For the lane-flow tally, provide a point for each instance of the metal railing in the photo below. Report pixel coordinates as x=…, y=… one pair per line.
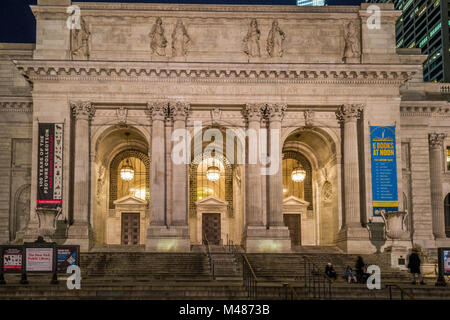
x=249, y=278
x=403, y=292
x=317, y=284
x=289, y=292
x=210, y=260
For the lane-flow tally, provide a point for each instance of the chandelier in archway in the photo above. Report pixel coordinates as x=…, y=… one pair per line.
x=213, y=173
x=298, y=174
x=127, y=170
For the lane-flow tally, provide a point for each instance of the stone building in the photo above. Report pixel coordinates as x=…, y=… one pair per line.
x=330, y=94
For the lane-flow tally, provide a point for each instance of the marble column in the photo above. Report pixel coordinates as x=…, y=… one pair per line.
x=437, y=202
x=179, y=112
x=79, y=231
x=275, y=114
x=158, y=113
x=254, y=214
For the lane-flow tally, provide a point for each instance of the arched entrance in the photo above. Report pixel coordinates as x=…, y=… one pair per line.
x=310, y=204
x=122, y=187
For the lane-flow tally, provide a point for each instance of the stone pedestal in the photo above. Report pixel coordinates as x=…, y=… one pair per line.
x=399, y=254
x=261, y=239
x=168, y=239
x=79, y=233
x=355, y=239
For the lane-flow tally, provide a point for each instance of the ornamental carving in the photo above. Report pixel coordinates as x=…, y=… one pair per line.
x=275, y=41
x=158, y=41
x=352, y=43
x=82, y=110
x=254, y=111
x=180, y=40
x=216, y=115
x=349, y=112
x=309, y=118
x=179, y=110
x=436, y=139
x=158, y=110
x=275, y=111
x=122, y=114
x=80, y=42
x=251, y=40
x=327, y=191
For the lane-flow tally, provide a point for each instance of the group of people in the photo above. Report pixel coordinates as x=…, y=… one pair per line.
x=359, y=275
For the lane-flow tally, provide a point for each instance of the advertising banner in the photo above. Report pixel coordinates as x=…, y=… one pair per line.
x=50, y=165
x=12, y=259
x=446, y=260
x=384, y=169
x=39, y=259
x=67, y=256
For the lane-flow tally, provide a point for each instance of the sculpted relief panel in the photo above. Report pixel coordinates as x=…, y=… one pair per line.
x=221, y=40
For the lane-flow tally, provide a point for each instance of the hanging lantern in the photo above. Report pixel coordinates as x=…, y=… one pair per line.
x=298, y=174
x=213, y=173
x=127, y=171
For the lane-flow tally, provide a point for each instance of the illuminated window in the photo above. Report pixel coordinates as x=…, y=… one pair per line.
x=448, y=158
x=206, y=187
x=136, y=186
x=303, y=189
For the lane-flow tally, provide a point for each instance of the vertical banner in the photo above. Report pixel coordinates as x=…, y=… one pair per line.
x=50, y=165
x=384, y=169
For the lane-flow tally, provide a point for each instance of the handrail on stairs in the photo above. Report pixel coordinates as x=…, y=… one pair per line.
x=403, y=292
x=249, y=278
x=289, y=289
x=208, y=253
x=318, y=285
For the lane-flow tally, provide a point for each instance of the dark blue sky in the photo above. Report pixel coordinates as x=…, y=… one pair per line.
x=17, y=23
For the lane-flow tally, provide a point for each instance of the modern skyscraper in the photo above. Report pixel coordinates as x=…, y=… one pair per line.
x=425, y=24
x=311, y=2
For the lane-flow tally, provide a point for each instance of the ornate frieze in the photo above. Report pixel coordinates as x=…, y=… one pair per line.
x=436, y=139
x=275, y=40
x=349, y=112
x=424, y=111
x=16, y=106
x=275, y=111
x=214, y=72
x=82, y=110
x=159, y=110
x=254, y=111
x=179, y=110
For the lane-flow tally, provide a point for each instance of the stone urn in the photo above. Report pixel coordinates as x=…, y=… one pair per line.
x=47, y=220
x=395, y=223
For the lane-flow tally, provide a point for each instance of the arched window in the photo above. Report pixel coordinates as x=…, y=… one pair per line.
x=138, y=186
x=447, y=215
x=301, y=190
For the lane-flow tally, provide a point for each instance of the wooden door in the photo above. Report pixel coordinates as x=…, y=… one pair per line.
x=211, y=228
x=130, y=228
x=292, y=221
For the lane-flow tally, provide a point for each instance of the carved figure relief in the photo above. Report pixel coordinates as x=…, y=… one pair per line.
x=309, y=118
x=122, y=114
x=22, y=209
x=327, y=191
x=275, y=40
x=158, y=41
x=352, y=45
x=251, y=40
x=216, y=115
x=180, y=40
x=100, y=182
x=80, y=42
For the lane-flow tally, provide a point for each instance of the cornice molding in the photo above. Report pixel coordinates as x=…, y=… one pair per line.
x=215, y=72
x=425, y=111
x=16, y=106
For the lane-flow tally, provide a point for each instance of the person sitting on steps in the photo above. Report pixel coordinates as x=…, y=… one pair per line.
x=330, y=272
x=350, y=275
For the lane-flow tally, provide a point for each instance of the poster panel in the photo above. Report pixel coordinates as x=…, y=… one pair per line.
x=384, y=169
x=67, y=256
x=39, y=259
x=12, y=258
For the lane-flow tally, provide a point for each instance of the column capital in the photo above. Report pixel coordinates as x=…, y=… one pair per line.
x=275, y=111
x=436, y=139
x=159, y=110
x=349, y=112
x=179, y=110
x=82, y=109
x=254, y=111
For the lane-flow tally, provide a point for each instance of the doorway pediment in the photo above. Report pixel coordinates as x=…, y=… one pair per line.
x=130, y=200
x=294, y=204
x=211, y=203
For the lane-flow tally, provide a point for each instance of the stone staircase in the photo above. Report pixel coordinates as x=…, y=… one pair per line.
x=140, y=275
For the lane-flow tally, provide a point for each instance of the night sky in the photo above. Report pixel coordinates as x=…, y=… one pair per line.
x=17, y=23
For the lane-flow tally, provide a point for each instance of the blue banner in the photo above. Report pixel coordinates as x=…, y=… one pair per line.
x=384, y=169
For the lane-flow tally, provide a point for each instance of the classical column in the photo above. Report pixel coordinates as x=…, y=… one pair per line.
x=437, y=203
x=83, y=112
x=253, y=113
x=275, y=114
x=179, y=111
x=158, y=112
x=349, y=114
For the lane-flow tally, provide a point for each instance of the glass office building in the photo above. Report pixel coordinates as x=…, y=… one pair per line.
x=425, y=24
x=311, y=2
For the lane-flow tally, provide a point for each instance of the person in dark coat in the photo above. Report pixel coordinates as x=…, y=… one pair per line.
x=414, y=266
x=330, y=272
x=359, y=268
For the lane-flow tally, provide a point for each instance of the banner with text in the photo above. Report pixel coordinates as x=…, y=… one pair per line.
x=50, y=165
x=384, y=169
